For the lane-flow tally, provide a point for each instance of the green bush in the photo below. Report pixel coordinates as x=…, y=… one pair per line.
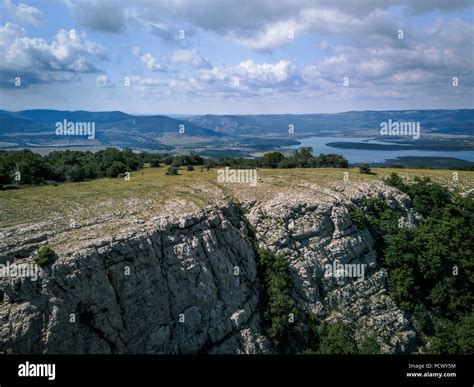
x=271, y=159
x=117, y=168
x=428, y=197
x=396, y=181
x=278, y=304
x=172, y=170
x=358, y=216
x=429, y=266
x=190, y=168
x=155, y=163
x=364, y=168
x=46, y=255
x=369, y=346
x=337, y=339
x=74, y=173
x=454, y=338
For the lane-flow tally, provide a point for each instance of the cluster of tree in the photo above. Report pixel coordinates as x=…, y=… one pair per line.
x=463, y=168
x=430, y=276
x=26, y=167
x=301, y=158
x=280, y=311
x=184, y=160
x=192, y=159
x=430, y=264
x=284, y=322
x=338, y=339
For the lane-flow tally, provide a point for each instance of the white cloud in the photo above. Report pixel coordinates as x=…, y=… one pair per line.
x=151, y=20
x=266, y=72
x=178, y=57
x=250, y=75
x=431, y=57
x=379, y=71
x=273, y=36
x=357, y=39
x=23, y=13
x=261, y=25
x=253, y=79
x=152, y=63
x=68, y=54
x=378, y=25
x=266, y=24
x=191, y=57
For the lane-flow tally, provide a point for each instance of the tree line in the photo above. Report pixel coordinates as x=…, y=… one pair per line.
x=25, y=167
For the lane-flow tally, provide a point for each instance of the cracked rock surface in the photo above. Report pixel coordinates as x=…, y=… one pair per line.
x=189, y=283
x=313, y=229
x=166, y=289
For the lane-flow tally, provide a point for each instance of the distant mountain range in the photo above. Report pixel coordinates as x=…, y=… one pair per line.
x=36, y=128
x=458, y=122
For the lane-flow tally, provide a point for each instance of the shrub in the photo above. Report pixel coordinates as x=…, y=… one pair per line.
x=116, y=169
x=427, y=196
x=172, y=170
x=190, y=168
x=454, y=338
x=278, y=304
x=369, y=346
x=364, y=168
x=46, y=255
x=428, y=265
x=337, y=339
x=358, y=216
x=396, y=181
x=272, y=159
x=155, y=163
x=74, y=173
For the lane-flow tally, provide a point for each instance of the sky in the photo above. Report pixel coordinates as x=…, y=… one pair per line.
x=236, y=57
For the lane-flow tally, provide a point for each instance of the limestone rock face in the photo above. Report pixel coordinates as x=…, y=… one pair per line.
x=314, y=229
x=177, y=287
x=189, y=284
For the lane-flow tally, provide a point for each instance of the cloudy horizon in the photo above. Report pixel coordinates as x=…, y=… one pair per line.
x=227, y=57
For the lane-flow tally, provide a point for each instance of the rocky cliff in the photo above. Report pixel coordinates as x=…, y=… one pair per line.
x=189, y=284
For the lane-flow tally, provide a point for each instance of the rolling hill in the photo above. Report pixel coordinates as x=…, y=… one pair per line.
x=223, y=133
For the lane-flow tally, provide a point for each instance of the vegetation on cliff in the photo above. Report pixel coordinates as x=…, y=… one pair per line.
x=429, y=261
